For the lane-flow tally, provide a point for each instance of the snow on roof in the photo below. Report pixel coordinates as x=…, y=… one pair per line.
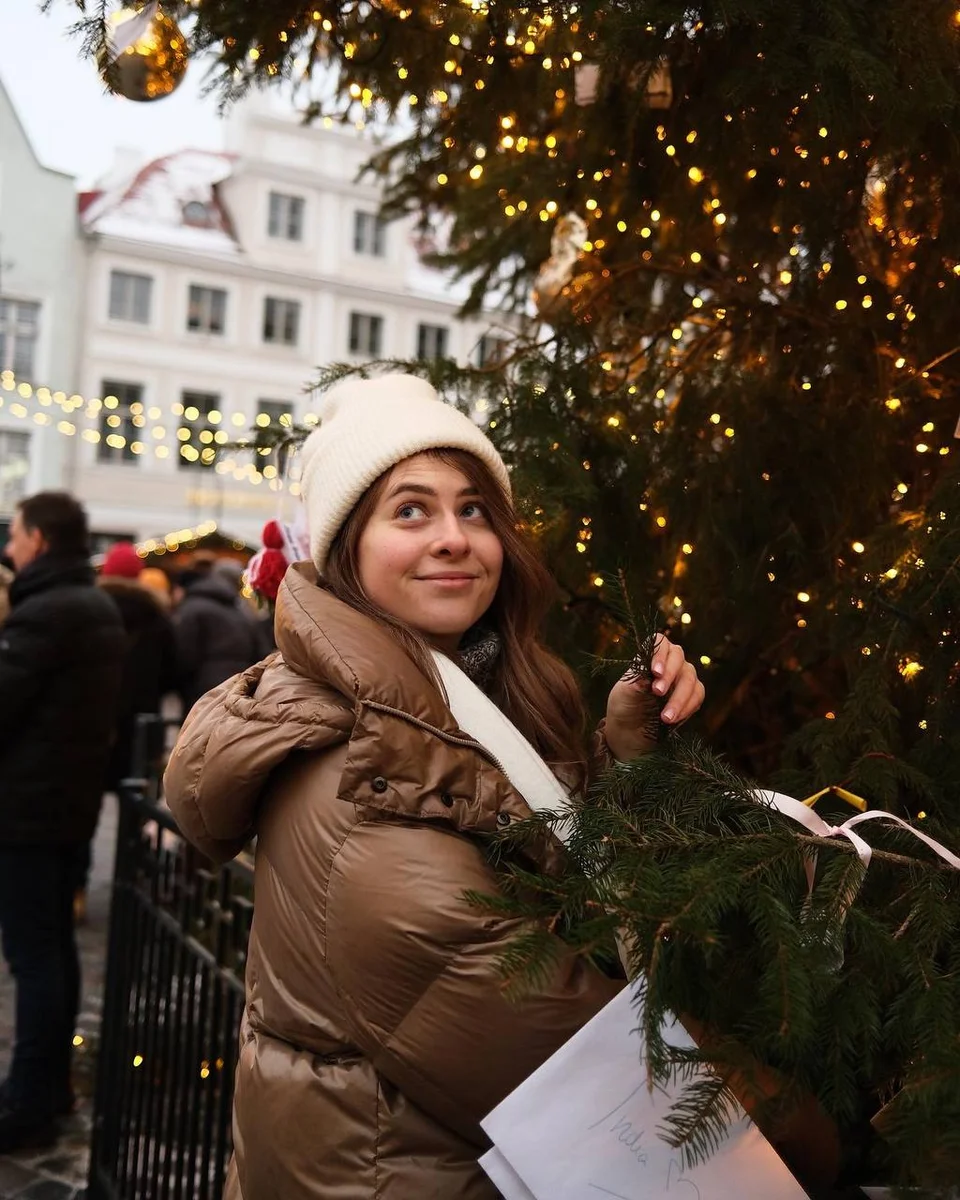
x=173, y=200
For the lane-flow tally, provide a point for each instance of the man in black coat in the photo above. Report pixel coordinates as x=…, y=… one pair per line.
x=149, y=672
x=61, y=656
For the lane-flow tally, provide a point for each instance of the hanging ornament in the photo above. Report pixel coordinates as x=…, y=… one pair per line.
x=145, y=55
x=361, y=34
x=550, y=293
x=660, y=86
x=586, y=77
x=896, y=211
x=654, y=79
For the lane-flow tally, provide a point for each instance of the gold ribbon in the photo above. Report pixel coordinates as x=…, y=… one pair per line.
x=856, y=802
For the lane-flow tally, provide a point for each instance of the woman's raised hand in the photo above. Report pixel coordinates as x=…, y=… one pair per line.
x=633, y=703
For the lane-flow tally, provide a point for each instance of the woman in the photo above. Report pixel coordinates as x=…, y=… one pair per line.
x=371, y=761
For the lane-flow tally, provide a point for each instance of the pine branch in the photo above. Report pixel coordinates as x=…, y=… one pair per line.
x=706, y=886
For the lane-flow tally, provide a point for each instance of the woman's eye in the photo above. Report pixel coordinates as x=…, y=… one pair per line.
x=409, y=511
x=474, y=510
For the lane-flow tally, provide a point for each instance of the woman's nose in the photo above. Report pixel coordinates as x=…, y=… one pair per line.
x=451, y=536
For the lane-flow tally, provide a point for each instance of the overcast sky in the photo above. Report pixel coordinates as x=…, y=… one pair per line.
x=73, y=123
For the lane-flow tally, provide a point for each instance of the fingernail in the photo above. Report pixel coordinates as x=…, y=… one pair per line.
x=668, y=714
x=660, y=687
x=658, y=668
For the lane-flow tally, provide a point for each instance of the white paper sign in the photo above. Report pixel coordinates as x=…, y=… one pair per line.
x=585, y=1127
x=504, y=1178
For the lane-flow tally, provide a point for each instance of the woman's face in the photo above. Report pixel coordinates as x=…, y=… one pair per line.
x=428, y=555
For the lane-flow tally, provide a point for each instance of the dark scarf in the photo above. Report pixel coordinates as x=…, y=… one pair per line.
x=478, y=656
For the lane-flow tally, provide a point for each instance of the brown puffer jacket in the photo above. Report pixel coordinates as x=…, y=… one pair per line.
x=376, y=1032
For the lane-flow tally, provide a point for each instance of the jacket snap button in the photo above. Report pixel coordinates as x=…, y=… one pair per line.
x=446, y=799
x=503, y=818
x=379, y=784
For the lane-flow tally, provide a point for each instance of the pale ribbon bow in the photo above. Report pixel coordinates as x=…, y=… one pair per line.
x=808, y=818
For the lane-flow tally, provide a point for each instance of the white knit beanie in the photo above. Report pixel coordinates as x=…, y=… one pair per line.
x=368, y=426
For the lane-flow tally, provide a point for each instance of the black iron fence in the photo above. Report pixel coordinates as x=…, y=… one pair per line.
x=172, y=1003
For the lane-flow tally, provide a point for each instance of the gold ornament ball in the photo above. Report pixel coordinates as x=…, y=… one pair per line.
x=145, y=63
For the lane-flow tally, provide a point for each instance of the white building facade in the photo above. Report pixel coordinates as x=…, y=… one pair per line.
x=39, y=261
x=214, y=286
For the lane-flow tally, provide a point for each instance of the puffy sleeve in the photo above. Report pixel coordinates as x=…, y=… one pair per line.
x=232, y=739
x=418, y=968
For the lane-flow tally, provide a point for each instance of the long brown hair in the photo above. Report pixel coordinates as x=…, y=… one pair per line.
x=535, y=689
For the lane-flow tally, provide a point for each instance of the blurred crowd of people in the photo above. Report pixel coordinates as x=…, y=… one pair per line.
x=186, y=632
x=84, y=649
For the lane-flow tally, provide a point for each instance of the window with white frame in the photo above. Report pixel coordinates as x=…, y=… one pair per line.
x=281, y=321
x=369, y=234
x=286, y=217
x=200, y=434
x=130, y=297
x=274, y=412
x=14, y=468
x=199, y=214
x=207, y=309
x=491, y=350
x=432, y=341
x=19, y=330
x=121, y=419
x=366, y=333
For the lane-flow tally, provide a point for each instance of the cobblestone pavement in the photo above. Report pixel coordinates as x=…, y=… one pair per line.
x=60, y=1171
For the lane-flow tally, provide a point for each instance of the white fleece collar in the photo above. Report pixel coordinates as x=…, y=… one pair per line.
x=477, y=715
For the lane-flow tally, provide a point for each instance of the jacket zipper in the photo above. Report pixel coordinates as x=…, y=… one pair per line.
x=466, y=743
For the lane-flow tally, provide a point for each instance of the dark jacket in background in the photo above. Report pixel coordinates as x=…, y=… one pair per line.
x=61, y=658
x=215, y=638
x=6, y=578
x=150, y=669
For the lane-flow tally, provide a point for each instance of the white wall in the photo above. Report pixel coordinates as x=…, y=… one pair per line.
x=39, y=261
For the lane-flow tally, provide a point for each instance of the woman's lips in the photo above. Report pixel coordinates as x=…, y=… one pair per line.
x=448, y=581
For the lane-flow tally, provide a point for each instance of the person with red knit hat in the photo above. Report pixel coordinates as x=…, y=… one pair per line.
x=122, y=561
x=149, y=672
x=150, y=666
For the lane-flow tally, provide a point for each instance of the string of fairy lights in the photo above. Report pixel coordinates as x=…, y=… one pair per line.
x=38, y=405
x=177, y=539
x=102, y=419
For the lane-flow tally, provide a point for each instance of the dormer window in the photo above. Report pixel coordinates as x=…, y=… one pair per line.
x=199, y=214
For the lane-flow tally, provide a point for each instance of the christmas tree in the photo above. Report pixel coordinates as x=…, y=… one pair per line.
x=729, y=236
x=741, y=385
